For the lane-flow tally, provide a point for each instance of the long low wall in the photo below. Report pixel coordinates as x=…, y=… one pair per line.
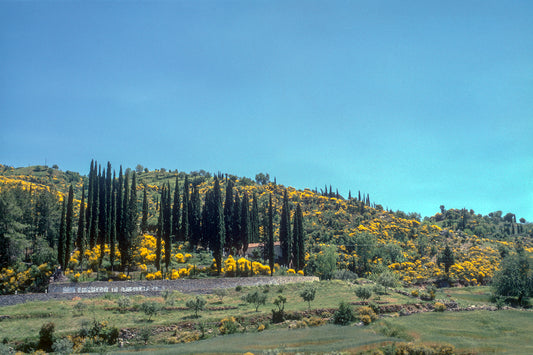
x=183, y=285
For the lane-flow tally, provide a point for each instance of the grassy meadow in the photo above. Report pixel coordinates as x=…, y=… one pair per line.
x=175, y=329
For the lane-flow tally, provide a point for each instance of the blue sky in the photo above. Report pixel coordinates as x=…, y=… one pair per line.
x=417, y=103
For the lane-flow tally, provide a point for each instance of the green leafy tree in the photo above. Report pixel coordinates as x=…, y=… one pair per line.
x=513, y=279
x=196, y=304
x=308, y=294
x=150, y=308
x=326, y=262
x=363, y=293
x=255, y=298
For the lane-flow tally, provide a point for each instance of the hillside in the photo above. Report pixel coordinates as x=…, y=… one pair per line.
x=361, y=236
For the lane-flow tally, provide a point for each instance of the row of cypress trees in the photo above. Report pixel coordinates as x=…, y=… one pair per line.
x=110, y=217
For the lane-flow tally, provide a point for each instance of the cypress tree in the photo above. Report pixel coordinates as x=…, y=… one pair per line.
x=270, y=245
x=124, y=223
x=144, y=220
x=207, y=221
x=284, y=231
x=228, y=211
x=236, y=225
x=113, y=224
x=88, y=213
x=176, y=211
x=119, y=214
x=218, y=238
x=185, y=211
x=167, y=226
x=93, y=235
x=61, y=238
x=159, y=234
x=108, y=192
x=68, y=224
x=195, y=217
x=245, y=223
x=254, y=221
x=298, y=239
x=80, y=240
x=132, y=218
x=102, y=215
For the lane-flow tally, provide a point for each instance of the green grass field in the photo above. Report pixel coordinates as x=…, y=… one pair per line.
x=477, y=332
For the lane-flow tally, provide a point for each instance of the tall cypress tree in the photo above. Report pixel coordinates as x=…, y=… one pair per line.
x=68, y=224
x=228, y=211
x=270, y=243
x=167, y=226
x=218, y=230
x=132, y=218
x=184, y=232
x=88, y=213
x=102, y=209
x=207, y=221
x=108, y=192
x=124, y=223
x=195, y=217
x=236, y=224
x=298, y=249
x=113, y=223
x=61, y=238
x=80, y=238
x=254, y=221
x=245, y=223
x=176, y=211
x=93, y=234
x=284, y=231
x=119, y=214
x=159, y=235
x=144, y=220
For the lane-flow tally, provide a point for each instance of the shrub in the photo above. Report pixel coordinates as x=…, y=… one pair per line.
x=388, y=279
x=363, y=293
x=344, y=315
x=228, y=326
x=80, y=308
x=308, y=294
x=256, y=298
x=197, y=304
x=367, y=315
x=150, y=308
x=344, y=274
x=440, y=307
x=144, y=335
x=63, y=346
x=46, y=336
x=414, y=293
x=168, y=296
x=278, y=315
x=220, y=293
x=123, y=302
x=238, y=288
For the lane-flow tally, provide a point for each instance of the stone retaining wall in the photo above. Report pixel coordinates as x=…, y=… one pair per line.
x=183, y=285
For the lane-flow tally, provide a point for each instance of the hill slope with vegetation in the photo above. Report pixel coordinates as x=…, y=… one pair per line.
x=342, y=237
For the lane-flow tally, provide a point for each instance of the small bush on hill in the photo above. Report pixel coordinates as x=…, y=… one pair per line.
x=344, y=315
